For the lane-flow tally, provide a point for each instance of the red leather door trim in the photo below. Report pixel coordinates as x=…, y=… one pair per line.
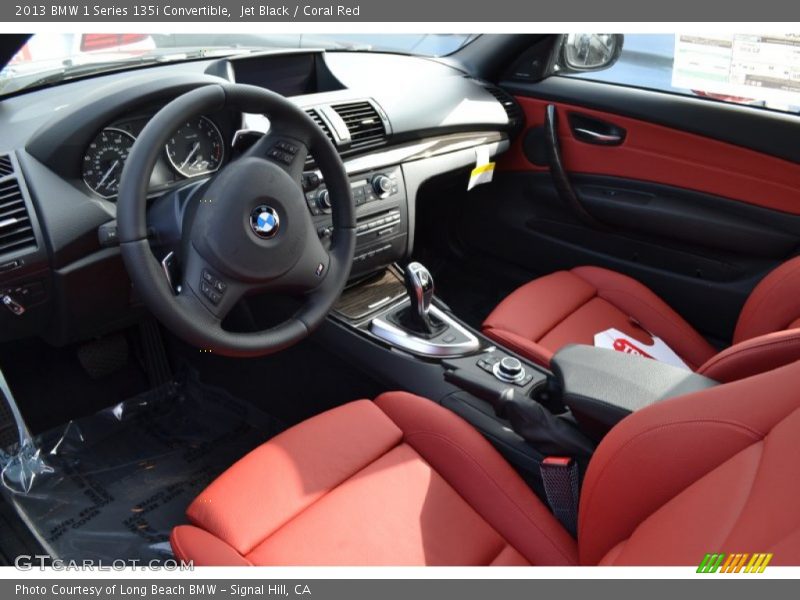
x=658, y=154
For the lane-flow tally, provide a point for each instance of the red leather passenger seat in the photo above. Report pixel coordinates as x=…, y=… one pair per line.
x=398, y=481
x=570, y=307
x=403, y=481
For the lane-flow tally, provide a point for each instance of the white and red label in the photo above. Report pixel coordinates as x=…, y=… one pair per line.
x=614, y=339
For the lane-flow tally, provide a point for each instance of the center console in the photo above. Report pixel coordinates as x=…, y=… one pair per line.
x=601, y=386
x=381, y=211
x=392, y=324
x=410, y=339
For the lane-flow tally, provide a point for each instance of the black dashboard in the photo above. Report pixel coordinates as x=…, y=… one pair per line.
x=403, y=118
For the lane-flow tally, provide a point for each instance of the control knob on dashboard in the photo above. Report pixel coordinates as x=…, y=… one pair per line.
x=381, y=185
x=324, y=199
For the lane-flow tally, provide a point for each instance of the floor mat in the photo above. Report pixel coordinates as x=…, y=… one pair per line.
x=112, y=485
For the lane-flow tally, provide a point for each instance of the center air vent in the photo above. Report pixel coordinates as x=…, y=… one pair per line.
x=365, y=125
x=5, y=165
x=510, y=105
x=314, y=114
x=16, y=230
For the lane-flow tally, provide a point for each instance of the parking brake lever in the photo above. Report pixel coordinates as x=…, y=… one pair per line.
x=530, y=420
x=542, y=429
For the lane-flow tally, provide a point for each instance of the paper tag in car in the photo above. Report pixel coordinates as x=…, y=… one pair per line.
x=484, y=169
x=614, y=339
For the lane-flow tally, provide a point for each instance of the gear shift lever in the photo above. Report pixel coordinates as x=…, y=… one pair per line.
x=419, y=283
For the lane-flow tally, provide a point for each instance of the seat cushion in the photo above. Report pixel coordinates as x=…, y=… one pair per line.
x=398, y=481
x=570, y=307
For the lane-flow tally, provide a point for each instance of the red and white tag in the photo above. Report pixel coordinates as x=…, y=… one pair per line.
x=614, y=339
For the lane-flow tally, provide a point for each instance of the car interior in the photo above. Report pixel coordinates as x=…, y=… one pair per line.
x=340, y=307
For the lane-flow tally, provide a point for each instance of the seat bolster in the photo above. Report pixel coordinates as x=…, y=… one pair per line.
x=190, y=543
x=638, y=301
x=279, y=479
x=772, y=305
x=686, y=438
x=482, y=477
x=531, y=350
x=753, y=356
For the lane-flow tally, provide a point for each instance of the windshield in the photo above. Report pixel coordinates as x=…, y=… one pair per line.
x=54, y=57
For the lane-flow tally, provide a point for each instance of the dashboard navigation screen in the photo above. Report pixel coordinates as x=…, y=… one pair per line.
x=289, y=74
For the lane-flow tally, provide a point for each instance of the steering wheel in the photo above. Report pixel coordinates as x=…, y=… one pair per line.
x=248, y=230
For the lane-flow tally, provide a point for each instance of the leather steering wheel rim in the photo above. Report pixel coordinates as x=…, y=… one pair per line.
x=189, y=314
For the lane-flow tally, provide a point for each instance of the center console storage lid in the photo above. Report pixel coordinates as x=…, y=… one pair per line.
x=603, y=386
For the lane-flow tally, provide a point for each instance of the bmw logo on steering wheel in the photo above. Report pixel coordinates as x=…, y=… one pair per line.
x=264, y=221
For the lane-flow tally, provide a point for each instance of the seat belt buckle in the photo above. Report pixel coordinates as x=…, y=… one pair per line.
x=561, y=482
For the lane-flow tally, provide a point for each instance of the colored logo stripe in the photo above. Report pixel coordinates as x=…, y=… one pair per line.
x=734, y=563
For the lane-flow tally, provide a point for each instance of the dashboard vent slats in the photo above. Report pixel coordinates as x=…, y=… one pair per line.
x=366, y=127
x=6, y=168
x=16, y=229
x=510, y=105
x=312, y=112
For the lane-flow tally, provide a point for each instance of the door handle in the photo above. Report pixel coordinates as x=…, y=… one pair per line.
x=591, y=130
x=560, y=178
x=600, y=138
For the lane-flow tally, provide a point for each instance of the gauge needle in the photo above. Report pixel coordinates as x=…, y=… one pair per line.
x=110, y=170
x=195, y=148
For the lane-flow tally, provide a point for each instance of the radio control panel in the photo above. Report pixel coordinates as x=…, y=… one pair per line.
x=381, y=213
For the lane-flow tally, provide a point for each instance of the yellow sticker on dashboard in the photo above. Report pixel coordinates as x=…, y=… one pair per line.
x=484, y=168
x=481, y=174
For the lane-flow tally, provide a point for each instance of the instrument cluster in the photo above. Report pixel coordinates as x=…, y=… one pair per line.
x=196, y=148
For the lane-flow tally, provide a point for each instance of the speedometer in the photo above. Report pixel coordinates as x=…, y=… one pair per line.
x=196, y=148
x=104, y=159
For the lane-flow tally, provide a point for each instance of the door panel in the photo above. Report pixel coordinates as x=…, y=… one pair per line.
x=658, y=154
x=686, y=216
x=765, y=131
x=681, y=196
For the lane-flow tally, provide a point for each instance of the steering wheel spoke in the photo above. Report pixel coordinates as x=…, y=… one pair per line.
x=309, y=271
x=214, y=291
x=286, y=151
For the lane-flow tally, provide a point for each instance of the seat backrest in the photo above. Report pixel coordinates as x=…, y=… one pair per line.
x=713, y=471
x=774, y=304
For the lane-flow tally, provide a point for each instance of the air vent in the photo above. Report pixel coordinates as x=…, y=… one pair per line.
x=512, y=108
x=312, y=112
x=16, y=230
x=6, y=167
x=364, y=123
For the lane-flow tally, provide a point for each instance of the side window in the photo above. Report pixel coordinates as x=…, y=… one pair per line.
x=754, y=70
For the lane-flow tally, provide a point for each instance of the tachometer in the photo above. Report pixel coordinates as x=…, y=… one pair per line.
x=104, y=159
x=196, y=148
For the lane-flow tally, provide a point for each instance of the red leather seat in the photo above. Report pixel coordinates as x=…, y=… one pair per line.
x=403, y=481
x=570, y=307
